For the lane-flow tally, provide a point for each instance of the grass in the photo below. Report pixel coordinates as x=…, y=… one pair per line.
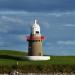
x=12, y=53
x=56, y=60
x=9, y=59
x=7, y=62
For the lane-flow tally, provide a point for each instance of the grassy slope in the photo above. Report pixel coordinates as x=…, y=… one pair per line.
x=9, y=53
x=12, y=53
x=54, y=59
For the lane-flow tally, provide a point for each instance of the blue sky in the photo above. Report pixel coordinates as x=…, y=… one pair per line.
x=56, y=18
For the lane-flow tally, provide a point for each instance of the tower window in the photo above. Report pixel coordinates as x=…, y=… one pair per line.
x=37, y=32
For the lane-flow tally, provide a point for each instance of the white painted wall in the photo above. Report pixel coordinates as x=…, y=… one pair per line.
x=38, y=58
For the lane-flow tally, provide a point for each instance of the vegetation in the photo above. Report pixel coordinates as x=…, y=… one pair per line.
x=12, y=53
x=9, y=59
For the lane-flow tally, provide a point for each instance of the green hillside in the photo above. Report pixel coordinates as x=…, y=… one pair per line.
x=12, y=53
x=13, y=56
x=9, y=59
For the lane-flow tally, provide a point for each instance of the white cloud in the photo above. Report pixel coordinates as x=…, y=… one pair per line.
x=55, y=14
x=25, y=13
x=69, y=25
x=1, y=43
x=3, y=30
x=11, y=19
x=59, y=14
x=48, y=44
x=46, y=24
x=22, y=37
x=13, y=12
x=66, y=42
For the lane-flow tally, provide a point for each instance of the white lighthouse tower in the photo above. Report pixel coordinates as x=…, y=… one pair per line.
x=35, y=39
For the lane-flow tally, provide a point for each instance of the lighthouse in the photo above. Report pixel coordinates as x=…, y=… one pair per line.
x=35, y=41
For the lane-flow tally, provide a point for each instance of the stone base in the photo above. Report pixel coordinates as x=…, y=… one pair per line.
x=37, y=58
